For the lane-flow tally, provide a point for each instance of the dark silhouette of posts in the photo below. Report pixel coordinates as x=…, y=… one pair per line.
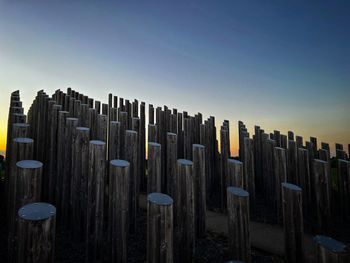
x=131, y=155
x=184, y=211
x=79, y=183
x=329, y=250
x=344, y=187
x=96, y=175
x=248, y=166
x=304, y=178
x=280, y=174
x=119, y=176
x=292, y=176
x=199, y=188
x=171, y=159
x=154, y=167
x=152, y=133
x=114, y=140
x=36, y=233
x=159, y=228
x=234, y=173
x=238, y=223
x=293, y=222
x=321, y=183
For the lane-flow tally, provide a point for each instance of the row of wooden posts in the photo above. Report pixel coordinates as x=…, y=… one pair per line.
x=90, y=165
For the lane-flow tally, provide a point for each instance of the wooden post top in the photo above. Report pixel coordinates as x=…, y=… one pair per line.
x=29, y=164
x=120, y=163
x=154, y=144
x=72, y=119
x=237, y=191
x=115, y=122
x=234, y=161
x=198, y=146
x=160, y=199
x=184, y=162
x=171, y=134
x=83, y=128
x=131, y=131
x=37, y=211
x=97, y=142
x=320, y=161
x=23, y=140
x=330, y=243
x=291, y=186
x=21, y=125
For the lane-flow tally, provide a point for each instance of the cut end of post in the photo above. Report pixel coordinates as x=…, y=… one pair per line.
x=153, y=144
x=184, y=162
x=37, y=211
x=21, y=125
x=237, y=191
x=159, y=199
x=234, y=161
x=120, y=163
x=23, y=140
x=29, y=164
x=198, y=146
x=330, y=243
x=83, y=128
x=97, y=142
x=291, y=186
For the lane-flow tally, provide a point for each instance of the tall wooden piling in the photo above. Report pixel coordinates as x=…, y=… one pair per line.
x=154, y=179
x=304, y=179
x=159, y=228
x=199, y=189
x=234, y=173
x=36, y=233
x=95, y=203
x=293, y=222
x=114, y=140
x=292, y=175
x=238, y=223
x=280, y=176
x=119, y=176
x=248, y=166
x=184, y=211
x=171, y=159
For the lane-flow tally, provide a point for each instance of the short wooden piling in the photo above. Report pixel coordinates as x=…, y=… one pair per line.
x=238, y=223
x=36, y=233
x=329, y=250
x=159, y=228
x=293, y=222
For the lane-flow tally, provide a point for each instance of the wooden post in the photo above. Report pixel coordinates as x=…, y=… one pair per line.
x=284, y=140
x=299, y=141
x=150, y=114
x=199, y=189
x=91, y=123
x=224, y=145
x=322, y=197
x=36, y=233
x=184, y=211
x=142, y=143
x=101, y=128
x=305, y=179
x=154, y=168
x=119, y=176
x=344, y=187
x=292, y=176
x=238, y=223
x=79, y=185
x=313, y=140
x=159, y=228
x=95, y=203
x=329, y=250
x=290, y=136
x=234, y=173
x=152, y=133
x=248, y=165
x=131, y=155
x=171, y=159
x=114, y=140
x=280, y=174
x=123, y=119
x=293, y=222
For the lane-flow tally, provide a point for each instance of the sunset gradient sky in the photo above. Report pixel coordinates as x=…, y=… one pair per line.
x=278, y=64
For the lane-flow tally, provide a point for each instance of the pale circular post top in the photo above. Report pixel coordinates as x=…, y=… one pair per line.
x=29, y=164
x=37, y=211
x=159, y=199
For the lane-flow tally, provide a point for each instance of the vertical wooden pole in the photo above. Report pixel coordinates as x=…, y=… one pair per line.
x=293, y=222
x=152, y=133
x=292, y=176
x=280, y=174
x=119, y=175
x=248, y=165
x=114, y=140
x=224, y=145
x=36, y=233
x=123, y=119
x=199, y=188
x=238, y=223
x=131, y=155
x=184, y=211
x=234, y=173
x=101, y=128
x=304, y=179
x=171, y=162
x=344, y=187
x=95, y=203
x=159, y=228
x=154, y=179
x=329, y=250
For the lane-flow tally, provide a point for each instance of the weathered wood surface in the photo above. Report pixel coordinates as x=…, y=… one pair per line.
x=249, y=172
x=36, y=233
x=293, y=222
x=95, y=203
x=280, y=176
x=118, y=213
x=305, y=179
x=171, y=159
x=329, y=250
x=114, y=140
x=238, y=223
x=199, y=189
x=159, y=228
x=184, y=235
x=154, y=178
x=234, y=173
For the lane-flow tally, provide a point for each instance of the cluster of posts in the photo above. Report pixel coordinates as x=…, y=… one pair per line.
x=87, y=162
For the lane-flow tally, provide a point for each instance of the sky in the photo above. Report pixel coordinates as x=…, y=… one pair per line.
x=282, y=65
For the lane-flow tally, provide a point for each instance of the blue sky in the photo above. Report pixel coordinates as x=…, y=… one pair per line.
x=280, y=64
